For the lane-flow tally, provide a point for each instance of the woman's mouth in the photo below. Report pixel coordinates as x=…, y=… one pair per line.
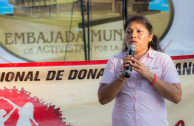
x=133, y=42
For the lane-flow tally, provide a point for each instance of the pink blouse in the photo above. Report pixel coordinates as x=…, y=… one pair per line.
x=138, y=103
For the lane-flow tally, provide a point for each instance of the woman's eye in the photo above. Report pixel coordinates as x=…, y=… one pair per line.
x=139, y=31
x=129, y=32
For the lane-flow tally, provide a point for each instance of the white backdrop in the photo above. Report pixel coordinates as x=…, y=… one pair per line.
x=181, y=31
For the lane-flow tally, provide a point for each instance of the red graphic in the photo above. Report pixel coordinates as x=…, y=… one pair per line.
x=18, y=108
x=180, y=123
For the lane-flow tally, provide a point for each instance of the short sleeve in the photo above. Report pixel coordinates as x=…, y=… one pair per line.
x=109, y=72
x=169, y=72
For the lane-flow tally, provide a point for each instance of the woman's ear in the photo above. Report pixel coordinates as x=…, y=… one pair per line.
x=151, y=37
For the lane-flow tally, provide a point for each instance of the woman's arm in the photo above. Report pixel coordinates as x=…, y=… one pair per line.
x=172, y=92
x=107, y=92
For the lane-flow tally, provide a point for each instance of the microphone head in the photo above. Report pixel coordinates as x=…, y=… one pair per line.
x=132, y=47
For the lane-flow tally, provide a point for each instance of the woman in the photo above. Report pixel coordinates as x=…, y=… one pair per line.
x=140, y=99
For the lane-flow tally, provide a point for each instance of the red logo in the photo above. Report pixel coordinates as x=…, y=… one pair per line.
x=17, y=108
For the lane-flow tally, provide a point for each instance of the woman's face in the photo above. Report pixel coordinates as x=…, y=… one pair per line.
x=137, y=34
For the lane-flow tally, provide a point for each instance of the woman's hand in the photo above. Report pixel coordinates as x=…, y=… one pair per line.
x=126, y=62
x=140, y=67
x=136, y=66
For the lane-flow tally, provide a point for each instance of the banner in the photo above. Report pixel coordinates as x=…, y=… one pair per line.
x=65, y=93
x=50, y=31
x=181, y=114
x=52, y=95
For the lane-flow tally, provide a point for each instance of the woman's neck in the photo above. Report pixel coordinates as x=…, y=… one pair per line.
x=139, y=54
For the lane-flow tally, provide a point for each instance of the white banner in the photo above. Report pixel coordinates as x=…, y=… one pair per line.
x=66, y=94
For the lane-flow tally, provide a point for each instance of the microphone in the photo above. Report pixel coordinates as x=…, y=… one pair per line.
x=132, y=49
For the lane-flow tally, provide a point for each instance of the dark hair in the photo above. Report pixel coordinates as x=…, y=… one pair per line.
x=155, y=42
